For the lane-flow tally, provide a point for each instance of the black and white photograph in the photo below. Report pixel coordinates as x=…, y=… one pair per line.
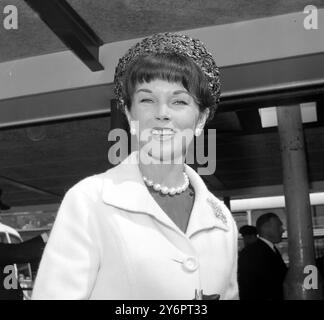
x=162, y=150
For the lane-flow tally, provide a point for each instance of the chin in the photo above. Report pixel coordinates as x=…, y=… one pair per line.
x=165, y=157
x=169, y=153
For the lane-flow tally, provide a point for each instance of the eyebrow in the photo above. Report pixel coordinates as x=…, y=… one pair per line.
x=181, y=91
x=174, y=92
x=143, y=90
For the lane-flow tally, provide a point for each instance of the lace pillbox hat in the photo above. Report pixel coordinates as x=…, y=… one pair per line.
x=171, y=43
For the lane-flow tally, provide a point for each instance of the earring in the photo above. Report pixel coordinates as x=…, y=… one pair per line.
x=132, y=129
x=198, y=132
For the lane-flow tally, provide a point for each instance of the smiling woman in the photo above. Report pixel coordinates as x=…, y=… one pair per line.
x=148, y=228
x=164, y=112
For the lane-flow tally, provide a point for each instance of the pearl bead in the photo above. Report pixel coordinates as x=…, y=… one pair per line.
x=157, y=187
x=165, y=190
x=149, y=183
x=173, y=191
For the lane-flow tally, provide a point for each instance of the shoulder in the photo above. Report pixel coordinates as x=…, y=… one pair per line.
x=256, y=249
x=92, y=186
x=80, y=202
x=89, y=187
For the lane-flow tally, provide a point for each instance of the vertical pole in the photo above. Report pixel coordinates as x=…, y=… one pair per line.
x=299, y=219
x=249, y=217
x=118, y=140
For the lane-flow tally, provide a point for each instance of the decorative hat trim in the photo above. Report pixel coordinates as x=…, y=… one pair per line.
x=171, y=43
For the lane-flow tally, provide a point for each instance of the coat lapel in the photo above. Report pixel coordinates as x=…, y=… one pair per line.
x=123, y=187
x=208, y=212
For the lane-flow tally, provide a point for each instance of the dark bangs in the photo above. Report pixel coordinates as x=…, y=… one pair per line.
x=169, y=67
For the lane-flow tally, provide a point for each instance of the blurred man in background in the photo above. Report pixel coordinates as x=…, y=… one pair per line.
x=261, y=269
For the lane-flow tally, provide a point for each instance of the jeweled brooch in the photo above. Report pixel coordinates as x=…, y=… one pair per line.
x=217, y=210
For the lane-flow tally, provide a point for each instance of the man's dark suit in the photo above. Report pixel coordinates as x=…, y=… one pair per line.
x=261, y=272
x=28, y=251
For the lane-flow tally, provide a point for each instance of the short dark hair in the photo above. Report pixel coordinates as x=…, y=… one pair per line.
x=263, y=219
x=171, y=67
x=248, y=230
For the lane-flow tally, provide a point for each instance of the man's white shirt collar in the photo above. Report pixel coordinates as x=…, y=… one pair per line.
x=269, y=243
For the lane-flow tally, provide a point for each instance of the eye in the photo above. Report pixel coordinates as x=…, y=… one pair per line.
x=146, y=100
x=180, y=102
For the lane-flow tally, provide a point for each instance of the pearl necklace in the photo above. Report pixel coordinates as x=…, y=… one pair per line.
x=165, y=189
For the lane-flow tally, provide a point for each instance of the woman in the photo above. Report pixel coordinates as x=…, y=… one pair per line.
x=148, y=228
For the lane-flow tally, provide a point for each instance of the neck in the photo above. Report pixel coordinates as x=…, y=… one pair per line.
x=167, y=174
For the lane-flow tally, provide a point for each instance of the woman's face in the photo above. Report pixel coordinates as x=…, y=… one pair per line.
x=165, y=117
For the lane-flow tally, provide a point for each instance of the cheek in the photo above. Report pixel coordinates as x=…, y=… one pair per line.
x=142, y=116
x=187, y=120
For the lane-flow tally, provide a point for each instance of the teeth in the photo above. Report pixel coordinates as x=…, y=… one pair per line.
x=162, y=131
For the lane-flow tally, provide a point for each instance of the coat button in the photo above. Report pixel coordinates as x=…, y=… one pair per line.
x=190, y=264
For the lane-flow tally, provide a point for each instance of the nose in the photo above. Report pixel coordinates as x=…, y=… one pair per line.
x=162, y=112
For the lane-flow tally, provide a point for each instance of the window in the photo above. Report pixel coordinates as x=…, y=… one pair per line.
x=30, y=224
x=240, y=218
x=319, y=246
x=318, y=216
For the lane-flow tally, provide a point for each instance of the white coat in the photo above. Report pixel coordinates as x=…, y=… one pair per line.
x=111, y=240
